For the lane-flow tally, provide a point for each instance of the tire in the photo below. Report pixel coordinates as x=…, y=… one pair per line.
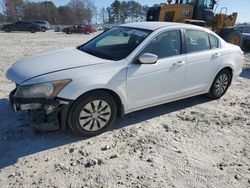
x=7, y=30
x=233, y=36
x=43, y=29
x=220, y=84
x=92, y=113
x=32, y=31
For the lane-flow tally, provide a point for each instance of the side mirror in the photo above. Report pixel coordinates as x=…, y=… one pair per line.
x=148, y=58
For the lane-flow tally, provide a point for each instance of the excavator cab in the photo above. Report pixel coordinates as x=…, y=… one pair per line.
x=183, y=10
x=198, y=12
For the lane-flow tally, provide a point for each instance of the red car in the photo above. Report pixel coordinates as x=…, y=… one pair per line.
x=79, y=28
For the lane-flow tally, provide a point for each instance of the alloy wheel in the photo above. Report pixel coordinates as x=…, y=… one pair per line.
x=221, y=84
x=94, y=115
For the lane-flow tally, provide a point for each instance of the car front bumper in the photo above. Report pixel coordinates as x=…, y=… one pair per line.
x=46, y=114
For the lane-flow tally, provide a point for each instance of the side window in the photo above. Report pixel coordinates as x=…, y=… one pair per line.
x=197, y=41
x=214, y=41
x=165, y=45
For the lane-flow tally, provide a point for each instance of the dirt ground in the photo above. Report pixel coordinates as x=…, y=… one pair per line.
x=194, y=142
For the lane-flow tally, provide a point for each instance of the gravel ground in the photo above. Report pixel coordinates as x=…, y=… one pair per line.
x=194, y=142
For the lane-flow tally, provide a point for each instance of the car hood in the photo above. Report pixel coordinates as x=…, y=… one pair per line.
x=50, y=62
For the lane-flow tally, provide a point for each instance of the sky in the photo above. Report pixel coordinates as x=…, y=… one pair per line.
x=240, y=6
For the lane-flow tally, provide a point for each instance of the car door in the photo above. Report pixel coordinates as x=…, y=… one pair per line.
x=16, y=26
x=149, y=84
x=25, y=26
x=202, y=60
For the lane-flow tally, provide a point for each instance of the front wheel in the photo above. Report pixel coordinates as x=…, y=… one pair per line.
x=93, y=113
x=7, y=30
x=220, y=84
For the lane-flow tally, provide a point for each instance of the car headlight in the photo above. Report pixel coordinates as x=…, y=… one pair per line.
x=42, y=90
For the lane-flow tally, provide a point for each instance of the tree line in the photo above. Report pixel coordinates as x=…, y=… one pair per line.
x=126, y=11
x=76, y=11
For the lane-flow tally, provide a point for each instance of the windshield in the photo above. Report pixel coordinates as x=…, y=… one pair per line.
x=116, y=43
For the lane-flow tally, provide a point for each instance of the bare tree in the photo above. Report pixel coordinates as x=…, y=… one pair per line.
x=13, y=9
x=103, y=15
x=83, y=10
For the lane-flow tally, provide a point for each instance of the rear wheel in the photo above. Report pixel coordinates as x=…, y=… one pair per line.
x=233, y=36
x=93, y=113
x=32, y=31
x=220, y=84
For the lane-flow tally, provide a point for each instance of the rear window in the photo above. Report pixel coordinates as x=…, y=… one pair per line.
x=214, y=41
x=40, y=22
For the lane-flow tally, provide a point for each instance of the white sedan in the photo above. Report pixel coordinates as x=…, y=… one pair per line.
x=127, y=68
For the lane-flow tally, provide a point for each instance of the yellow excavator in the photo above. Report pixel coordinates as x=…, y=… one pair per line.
x=198, y=12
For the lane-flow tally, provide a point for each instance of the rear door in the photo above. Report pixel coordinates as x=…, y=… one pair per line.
x=202, y=60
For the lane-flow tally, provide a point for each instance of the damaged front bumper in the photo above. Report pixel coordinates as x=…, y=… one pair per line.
x=46, y=114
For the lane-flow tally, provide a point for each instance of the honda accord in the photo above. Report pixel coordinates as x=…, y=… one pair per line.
x=125, y=69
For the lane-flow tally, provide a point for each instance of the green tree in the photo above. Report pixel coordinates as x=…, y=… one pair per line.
x=2, y=18
x=40, y=11
x=115, y=11
x=126, y=11
x=65, y=15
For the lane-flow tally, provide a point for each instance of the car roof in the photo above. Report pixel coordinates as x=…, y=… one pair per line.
x=157, y=25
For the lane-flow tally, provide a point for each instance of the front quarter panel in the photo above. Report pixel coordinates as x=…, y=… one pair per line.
x=103, y=76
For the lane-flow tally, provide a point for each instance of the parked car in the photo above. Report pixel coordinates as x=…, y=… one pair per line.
x=98, y=28
x=58, y=28
x=245, y=30
x=79, y=28
x=45, y=25
x=22, y=26
x=125, y=69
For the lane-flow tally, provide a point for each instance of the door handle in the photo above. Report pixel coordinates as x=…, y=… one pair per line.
x=179, y=63
x=217, y=54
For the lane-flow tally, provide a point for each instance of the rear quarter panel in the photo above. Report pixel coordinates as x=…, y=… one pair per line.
x=233, y=58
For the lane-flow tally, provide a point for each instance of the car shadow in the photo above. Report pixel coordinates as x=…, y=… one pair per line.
x=245, y=73
x=18, y=139
x=164, y=109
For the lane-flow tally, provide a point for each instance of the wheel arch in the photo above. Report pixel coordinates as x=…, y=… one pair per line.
x=228, y=67
x=115, y=95
x=118, y=100
x=65, y=114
